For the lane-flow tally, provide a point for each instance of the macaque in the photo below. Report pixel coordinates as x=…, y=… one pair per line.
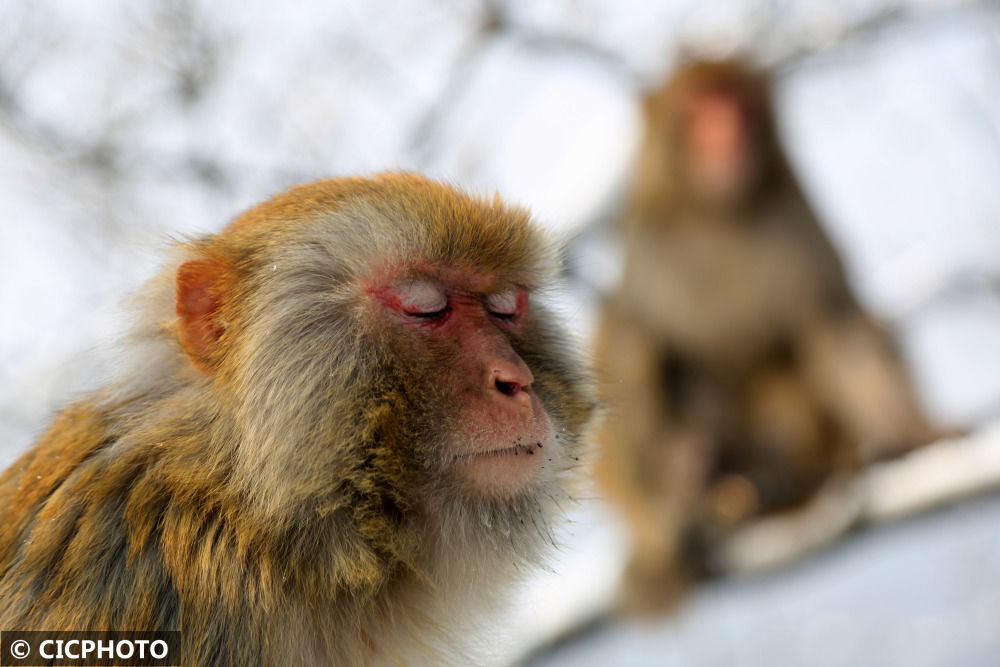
x=347, y=428
x=741, y=373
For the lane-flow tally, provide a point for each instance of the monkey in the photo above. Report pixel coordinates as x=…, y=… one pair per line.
x=740, y=371
x=348, y=428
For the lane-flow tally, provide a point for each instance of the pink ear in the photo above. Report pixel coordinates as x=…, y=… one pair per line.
x=201, y=290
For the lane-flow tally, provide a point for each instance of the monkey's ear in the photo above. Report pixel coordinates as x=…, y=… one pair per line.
x=201, y=291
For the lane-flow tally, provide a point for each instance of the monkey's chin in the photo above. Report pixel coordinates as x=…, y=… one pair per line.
x=500, y=471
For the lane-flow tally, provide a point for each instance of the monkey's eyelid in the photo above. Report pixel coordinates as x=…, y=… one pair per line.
x=503, y=303
x=422, y=298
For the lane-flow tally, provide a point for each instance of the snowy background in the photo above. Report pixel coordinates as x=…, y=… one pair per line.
x=123, y=125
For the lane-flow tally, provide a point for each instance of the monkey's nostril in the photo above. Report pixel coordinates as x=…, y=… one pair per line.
x=507, y=388
x=510, y=377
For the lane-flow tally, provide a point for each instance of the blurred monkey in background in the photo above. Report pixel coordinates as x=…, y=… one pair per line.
x=741, y=373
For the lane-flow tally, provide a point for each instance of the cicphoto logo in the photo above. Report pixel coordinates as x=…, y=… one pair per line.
x=37, y=648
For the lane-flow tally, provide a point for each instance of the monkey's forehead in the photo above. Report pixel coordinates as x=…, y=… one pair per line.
x=463, y=279
x=407, y=220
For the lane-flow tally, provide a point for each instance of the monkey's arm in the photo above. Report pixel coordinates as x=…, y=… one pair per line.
x=856, y=371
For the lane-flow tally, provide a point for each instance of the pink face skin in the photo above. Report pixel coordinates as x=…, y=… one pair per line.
x=502, y=426
x=718, y=142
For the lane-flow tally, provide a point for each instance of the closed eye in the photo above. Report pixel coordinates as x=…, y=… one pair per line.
x=422, y=300
x=434, y=315
x=503, y=305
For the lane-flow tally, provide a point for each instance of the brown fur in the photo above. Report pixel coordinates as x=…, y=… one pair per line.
x=741, y=371
x=267, y=476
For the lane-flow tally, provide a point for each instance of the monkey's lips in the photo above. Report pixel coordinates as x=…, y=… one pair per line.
x=499, y=470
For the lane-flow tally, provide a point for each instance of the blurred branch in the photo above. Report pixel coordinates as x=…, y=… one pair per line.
x=863, y=30
x=952, y=287
x=189, y=50
x=859, y=31
x=105, y=155
x=496, y=24
x=427, y=127
x=194, y=46
x=98, y=155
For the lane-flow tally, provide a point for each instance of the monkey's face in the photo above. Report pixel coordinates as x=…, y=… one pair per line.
x=718, y=144
x=375, y=343
x=458, y=329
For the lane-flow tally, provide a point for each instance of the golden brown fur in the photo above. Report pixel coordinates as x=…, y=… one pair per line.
x=741, y=371
x=268, y=478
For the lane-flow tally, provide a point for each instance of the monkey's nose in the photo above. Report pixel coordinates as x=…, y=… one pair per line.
x=512, y=379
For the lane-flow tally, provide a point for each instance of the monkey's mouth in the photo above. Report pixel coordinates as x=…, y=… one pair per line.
x=500, y=470
x=516, y=450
